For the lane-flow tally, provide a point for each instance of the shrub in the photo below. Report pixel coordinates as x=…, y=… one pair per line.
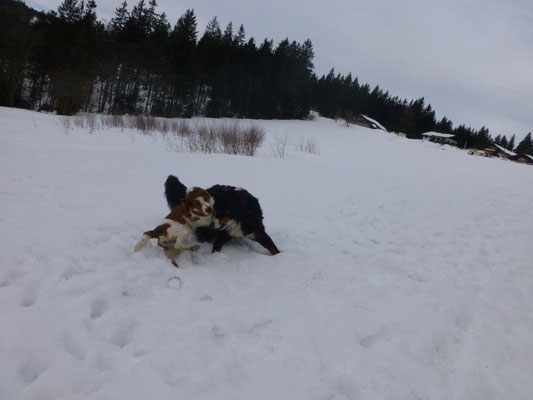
x=278, y=146
x=308, y=146
x=181, y=135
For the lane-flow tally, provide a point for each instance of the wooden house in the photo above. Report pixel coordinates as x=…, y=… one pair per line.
x=522, y=158
x=367, y=122
x=442, y=138
x=502, y=152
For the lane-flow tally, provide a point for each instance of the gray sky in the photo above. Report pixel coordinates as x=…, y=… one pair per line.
x=471, y=59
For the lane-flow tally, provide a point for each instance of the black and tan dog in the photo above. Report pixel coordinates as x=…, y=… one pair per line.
x=237, y=214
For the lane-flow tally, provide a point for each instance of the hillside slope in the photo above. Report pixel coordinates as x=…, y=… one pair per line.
x=405, y=271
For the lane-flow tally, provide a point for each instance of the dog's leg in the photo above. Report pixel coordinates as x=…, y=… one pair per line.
x=189, y=247
x=143, y=241
x=221, y=239
x=264, y=240
x=171, y=253
x=205, y=234
x=179, y=244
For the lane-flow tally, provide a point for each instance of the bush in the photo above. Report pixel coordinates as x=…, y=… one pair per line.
x=252, y=138
x=278, y=146
x=182, y=135
x=308, y=146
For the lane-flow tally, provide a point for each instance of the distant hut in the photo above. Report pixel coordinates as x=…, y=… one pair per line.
x=502, y=152
x=477, y=152
x=367, y=122
x=522, y=158
x=442, y=138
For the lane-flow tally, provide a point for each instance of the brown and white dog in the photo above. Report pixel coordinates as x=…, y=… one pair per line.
x=194, y=211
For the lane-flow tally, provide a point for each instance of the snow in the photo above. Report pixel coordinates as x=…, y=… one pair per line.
x=506, y=151
x=437, y=134
x=373, y=121
x=402, y=276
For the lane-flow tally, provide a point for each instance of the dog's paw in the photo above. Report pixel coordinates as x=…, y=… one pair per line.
x=195, y=247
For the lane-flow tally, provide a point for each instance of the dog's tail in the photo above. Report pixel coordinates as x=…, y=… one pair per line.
x=143, y=241
x=174, y=191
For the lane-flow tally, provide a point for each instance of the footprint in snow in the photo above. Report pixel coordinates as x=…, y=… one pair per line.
x=98, y=308
x=218, y=334
x=123, y=333
x=31, y=369
x=73, y=347
x=175, y=283
x=370, y=340
x=256, y=329
x=29, y=296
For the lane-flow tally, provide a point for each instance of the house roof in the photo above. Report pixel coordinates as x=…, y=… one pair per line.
x=437, y=134
x=508, y=152
x=373, y=121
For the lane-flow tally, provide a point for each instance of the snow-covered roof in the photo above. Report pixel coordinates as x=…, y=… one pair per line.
x=373, y=121
x=437, y=134
x=528, y=156
x=508, y=152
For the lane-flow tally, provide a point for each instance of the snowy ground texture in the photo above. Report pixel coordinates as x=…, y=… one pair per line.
x=406, y=271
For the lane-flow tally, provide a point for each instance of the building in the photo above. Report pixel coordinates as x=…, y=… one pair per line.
x=483, y=153
x=367, y=122
x=522, y=158
x=502, y=152
x=442, y=138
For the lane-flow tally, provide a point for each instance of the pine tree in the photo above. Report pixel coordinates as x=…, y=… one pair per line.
x=138, y=20
x=185, y=30
x=228, y=33
x=152, y=18
x=525, y=146
x=504, y=142
x=213, y=29
x=510, y=145
x=307, y=55
x=239, y=37
x=118, y=22
x=70, y=10
x=444, y=125
x=89, y=14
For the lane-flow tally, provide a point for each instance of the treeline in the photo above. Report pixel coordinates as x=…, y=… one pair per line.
x=70, y=61
x=67, y=61
x=341, y=96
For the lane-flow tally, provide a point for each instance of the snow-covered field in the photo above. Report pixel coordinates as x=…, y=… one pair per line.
x=406, y=271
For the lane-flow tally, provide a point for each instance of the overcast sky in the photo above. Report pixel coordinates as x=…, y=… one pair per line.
x=471, y=59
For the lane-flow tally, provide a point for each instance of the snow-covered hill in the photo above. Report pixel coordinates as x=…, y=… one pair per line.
x=406, y=271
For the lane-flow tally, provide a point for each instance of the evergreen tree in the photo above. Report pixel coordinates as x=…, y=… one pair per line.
x=70, y=11
x=118, y=22
x=525, y=146
x=239, y=37
x=510, y=145
x=213, y=29
x=504, y=143
x=444, y=125
x=228, y=33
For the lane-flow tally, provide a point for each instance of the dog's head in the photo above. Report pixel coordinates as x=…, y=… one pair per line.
x=199, y=203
